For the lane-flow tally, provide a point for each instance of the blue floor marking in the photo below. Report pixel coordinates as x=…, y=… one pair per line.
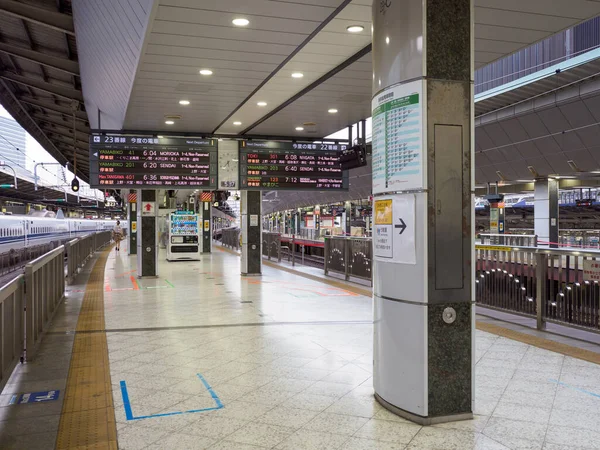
x=129, y=413
x=575, y=388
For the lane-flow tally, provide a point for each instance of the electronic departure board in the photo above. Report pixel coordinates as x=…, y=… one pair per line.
x=148, y=162
x=291, y=165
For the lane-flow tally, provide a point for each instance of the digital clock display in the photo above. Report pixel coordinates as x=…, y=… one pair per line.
x=291, y=166
x=146, y=161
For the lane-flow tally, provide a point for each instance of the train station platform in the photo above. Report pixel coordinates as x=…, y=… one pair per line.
x=204, y=358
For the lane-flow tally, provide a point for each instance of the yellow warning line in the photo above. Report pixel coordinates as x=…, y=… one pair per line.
x=87, y=420
x=535, y=341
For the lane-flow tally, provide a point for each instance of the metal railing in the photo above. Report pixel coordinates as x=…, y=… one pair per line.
x=29, y=301
x=12, y=297
x=271, y=245
x=81, y=249
x=550, y=285
x=44, y=289
x=15, y=259
x=230, y=237
x=349, y=256
x=518, y=240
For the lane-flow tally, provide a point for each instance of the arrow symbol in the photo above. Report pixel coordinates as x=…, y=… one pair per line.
x=148, y=207
x=401, y=225
x=96, y=154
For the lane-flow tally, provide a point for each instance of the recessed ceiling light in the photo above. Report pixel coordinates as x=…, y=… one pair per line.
x=332, y=111
x=206, y=72
x=387, y=40
x=355, y=28
x=297, y=75
x=240, y=22
x=184, y=102
x=159, y=136
x=299, y=128
x=262, y=103
x=169, y=122
x=237, y=124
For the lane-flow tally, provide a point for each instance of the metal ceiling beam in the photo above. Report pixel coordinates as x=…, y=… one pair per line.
x=563, y=183
x=333, y=72
x=54, y=62
x=61, y=140
x=65, y=92
x=61, y=123
x=41, y=16
x=68, y=149
x=67, y=139
x=80, y=115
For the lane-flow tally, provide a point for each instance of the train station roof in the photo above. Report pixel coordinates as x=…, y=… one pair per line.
x=126, y=64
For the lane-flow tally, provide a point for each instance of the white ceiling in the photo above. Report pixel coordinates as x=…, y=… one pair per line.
x=255, y=63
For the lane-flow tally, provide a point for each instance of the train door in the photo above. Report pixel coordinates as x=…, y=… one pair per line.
x=26, y=224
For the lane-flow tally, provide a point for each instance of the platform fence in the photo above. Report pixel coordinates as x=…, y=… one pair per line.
x=519, y=240
x=29, y=301
x=12, y=324
x=349, y=256
x=271, y=245
x=551, y=285
x=230, y=237
x=80, y=250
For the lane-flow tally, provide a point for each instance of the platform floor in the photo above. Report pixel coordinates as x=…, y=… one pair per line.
x=203, y=358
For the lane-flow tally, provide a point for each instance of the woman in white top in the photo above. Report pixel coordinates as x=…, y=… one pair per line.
x=117, y=233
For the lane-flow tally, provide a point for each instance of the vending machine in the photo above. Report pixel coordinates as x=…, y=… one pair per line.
x=184, y=236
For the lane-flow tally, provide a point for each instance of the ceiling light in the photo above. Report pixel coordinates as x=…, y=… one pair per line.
x=332, y=111
x=297, y=75
x=387, y=40
x=159, y=136
x=237, y=124
x=262, y=103
x=240, y=22
x=206, y=72
x=299, y=128
x=169, y=122
x=355, y=28
x=184, y=102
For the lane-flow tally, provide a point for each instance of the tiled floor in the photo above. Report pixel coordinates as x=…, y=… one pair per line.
x=289, y=361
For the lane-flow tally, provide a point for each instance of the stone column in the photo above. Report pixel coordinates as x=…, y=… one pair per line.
x=147, y=225
x=423, y=208
x=250, y=221
x=545, y=212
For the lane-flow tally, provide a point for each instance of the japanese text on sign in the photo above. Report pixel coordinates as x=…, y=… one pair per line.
x=287, y=165
x=591, y=270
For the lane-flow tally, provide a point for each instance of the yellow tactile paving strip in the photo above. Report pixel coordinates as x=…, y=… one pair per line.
x=88, y=418
x=535, y=341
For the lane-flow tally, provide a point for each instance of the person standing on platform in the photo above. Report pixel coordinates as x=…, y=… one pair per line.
x=117, y=234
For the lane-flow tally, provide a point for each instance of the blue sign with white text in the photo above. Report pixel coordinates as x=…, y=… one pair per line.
x=37, y=397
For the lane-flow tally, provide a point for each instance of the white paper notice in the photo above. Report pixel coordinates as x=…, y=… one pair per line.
x=394, y=234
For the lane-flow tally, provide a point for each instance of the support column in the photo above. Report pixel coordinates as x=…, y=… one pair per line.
x=250, y=220
x=206, y=215
x=497, y=218
x=545, y=211
x=132, y=220
x=423, y=208
x=147, y=224
x=347, y=217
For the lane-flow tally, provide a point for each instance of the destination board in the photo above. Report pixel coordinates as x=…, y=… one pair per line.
x=149, y=162
x=271, y=165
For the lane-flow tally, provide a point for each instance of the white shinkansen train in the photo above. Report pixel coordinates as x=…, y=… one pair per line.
x=26, y=231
